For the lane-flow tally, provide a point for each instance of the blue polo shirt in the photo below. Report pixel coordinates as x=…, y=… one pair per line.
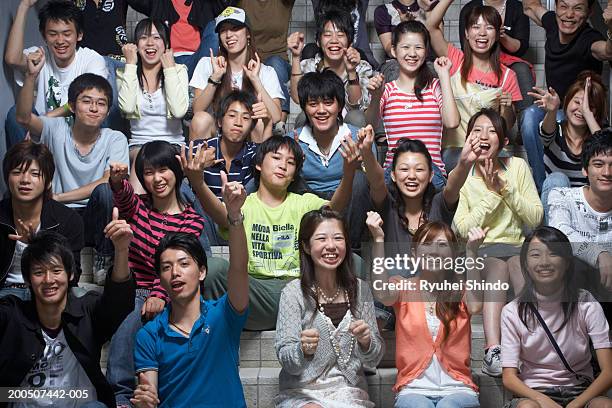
x=323, y=173
x=241, y=168
x=201, y=370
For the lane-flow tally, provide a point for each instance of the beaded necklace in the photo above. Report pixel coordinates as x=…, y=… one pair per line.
x=342, y=359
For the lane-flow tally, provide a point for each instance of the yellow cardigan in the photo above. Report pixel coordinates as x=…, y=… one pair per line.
x=176, y=91
x=505, y=213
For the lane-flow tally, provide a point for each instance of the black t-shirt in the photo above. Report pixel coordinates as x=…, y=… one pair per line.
x=104, y=25
x=564, y=62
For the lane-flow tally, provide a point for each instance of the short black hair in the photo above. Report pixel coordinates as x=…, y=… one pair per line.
x=158, y=154
x=23, y=154
x=43, y=248
x=243, y=97
x=323, y=85
x=340, y=19
x=599, y=143
x=60, y=10
x=185, y=242
x=590, y=3
x=90, y=81
x=271, y=145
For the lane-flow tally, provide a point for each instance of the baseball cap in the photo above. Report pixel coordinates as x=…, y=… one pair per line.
x=233, y=15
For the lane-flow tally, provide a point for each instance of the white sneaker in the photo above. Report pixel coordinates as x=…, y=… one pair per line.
x=491, y=363
x=102, y=265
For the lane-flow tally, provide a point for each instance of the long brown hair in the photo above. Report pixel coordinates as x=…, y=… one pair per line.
x=447, y=302
x=226, y=81
x=344, y=274
x=491, y=16
x=597, y=95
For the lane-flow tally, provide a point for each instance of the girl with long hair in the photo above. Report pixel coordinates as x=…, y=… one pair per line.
x=479, y=80
x=411, y=106
x=238, y=66
x=152, y=216
x=551, y=299
x=433, y=330
x=326, y=330
x=153, y=90
x=499, y=194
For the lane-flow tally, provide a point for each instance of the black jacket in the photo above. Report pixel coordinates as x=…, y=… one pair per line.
x=88, y=322
x=55, y=217
x=202, y=11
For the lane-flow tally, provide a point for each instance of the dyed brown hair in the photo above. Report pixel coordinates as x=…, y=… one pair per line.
x=597, y=95
x=491, y=16
x=23, y=154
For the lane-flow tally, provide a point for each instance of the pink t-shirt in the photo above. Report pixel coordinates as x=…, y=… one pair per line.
x=407, y=117
x=531, y=351
x=184, y=37
x=485, y=79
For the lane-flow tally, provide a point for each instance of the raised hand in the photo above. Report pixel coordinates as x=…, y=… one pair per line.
x=118, y=173
x=145, y=394
x=151, y=307
x=219, y=66
x=546, y=99
x=310, y=340
x=471, y=150
x=118, y=231
x=25, y=231
x=365, y=138
x=252, y=68
x=195, y=160
x=167, y=58
x=492, y=178
x=505, y=99
x=35, y=61
x=28, y=3
x=442, y=66
x=260, y=111
x=585, y=106
x=130, y=52
x=476, y=236
x=351, y=154
x=375, y=222
x=352, y=58
x=234, y=196
x=295, y=43
x=376, y=85
x=361, y=331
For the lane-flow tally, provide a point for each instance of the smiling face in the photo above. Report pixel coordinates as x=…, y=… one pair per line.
x=180, y=275
x=333, y=42
x=151, y=47
x=489, y=139
x=91, y=108
x=573, y=112
x=159, y=182
x=433, y=249
x=599, y=173
x=544, y=267
x=481, y=36
x=277, y=169
x=410, y=51
x=411, y=174
x=571, y=15
x=49, y=282
x=327, y=245
x=236, y=124
x=233, y=38
x=62, y=38
x=322, y=114
x=26, y=185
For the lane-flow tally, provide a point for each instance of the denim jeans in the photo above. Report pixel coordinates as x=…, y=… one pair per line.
x=96, y=215
x=114, y=120
x=208, y=41
x=15, y=133
x=530, y=132
x=457, y=400
x=21, y=293
x=120, y=368
x=439, y=181
x=526, y=82
x=282, y=69
x=193, y=201
x=553, y=180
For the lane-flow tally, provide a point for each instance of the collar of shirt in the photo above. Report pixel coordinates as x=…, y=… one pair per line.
x=198, y=326
x=307, y=137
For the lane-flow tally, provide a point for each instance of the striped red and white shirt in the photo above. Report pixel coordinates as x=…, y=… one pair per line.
x=407, y=117
x=149, y=227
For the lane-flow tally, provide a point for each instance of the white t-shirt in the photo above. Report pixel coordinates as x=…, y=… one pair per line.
x=153, y=123
x=14, y=272
x=53, y=82
x=57, y=368
x=72, y=170
x=267, y=75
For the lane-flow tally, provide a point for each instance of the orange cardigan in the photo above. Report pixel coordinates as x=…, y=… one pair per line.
x=414, y=347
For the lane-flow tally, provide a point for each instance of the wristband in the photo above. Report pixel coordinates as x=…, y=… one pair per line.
x=213, y=82
x=292, y=74
x=237, y=221
x=66, y=107
x=353, y=81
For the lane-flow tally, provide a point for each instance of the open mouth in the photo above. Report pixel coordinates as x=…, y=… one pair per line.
x=568, y=23
x=150, y=52
x=482, y=43
x=330, y=258
x=485, y=147
x=231, y=43
x=334, y=49
x=48, y=292
x=160, y=188
x=61, y=49
x=177, y=286
x=412, y=186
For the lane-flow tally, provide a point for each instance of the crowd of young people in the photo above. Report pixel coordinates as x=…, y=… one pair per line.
x=152, y=151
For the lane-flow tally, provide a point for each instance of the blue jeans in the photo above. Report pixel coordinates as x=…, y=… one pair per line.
x=96, y=215
x=553, y=180
x=530, y=132
x=526, y=82
x=283, y=69
x=190, y=198
x=439, y=181
x=15, y=133
x=208, y=41
x=120, y=370
x=114, y=120
x=457, y=400
x=23, y=294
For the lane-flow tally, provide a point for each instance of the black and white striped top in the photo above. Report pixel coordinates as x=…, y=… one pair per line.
x=559, y=158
